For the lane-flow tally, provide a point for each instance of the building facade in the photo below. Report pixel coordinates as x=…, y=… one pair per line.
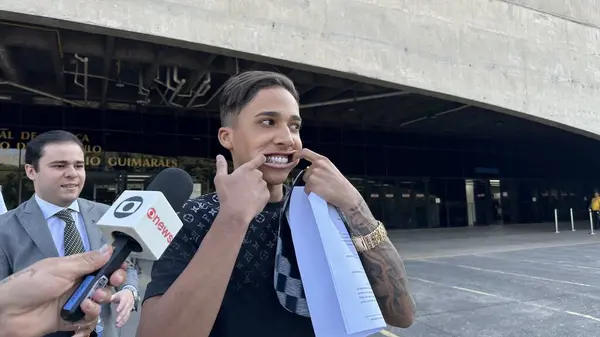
x=409, y=181
x=138, y=84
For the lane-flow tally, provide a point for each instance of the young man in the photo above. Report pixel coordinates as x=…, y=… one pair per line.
x=217, y=277
x=56, y=222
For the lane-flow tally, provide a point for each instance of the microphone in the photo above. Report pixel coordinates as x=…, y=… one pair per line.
x=141, y=224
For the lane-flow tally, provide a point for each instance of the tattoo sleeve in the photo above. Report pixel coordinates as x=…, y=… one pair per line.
x=384, y=269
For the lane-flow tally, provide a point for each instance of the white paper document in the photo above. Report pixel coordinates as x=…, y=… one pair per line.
x=340, y=299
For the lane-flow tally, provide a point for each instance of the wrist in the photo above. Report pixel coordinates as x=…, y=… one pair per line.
x=363, y=228
x=130, y=288
x=134, y=293
x=230, y=226
x=364, y=243
x=234, y=220
x=352, y=202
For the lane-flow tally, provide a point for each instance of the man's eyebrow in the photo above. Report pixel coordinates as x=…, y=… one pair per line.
x=268, y=114
x=275, y=114
x=65, y=162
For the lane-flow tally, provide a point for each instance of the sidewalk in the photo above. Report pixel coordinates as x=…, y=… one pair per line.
x=516, y=281
x=445, y=242
x=439, y=242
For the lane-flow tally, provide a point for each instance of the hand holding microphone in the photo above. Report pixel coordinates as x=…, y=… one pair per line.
x=29, y=298
x=242, y=194
x=142, y=223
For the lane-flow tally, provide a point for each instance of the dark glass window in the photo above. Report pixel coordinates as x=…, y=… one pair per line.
x=194, y=146
x=309, y=133
x=10, y=114
x=159, y=144
x=330, y=134
x=159, y=123
x=85, y=119
x=331, y=151
x=124, y=142
x=123, y=120
x=49, y=117
x=194, y=125
x=376, y=160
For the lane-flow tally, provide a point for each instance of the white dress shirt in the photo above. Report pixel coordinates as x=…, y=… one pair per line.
x=57, y=226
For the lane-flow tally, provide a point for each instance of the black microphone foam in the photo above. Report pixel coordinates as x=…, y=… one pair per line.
x=175, y=184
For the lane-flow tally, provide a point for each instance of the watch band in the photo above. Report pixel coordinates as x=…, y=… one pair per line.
x=367, y=242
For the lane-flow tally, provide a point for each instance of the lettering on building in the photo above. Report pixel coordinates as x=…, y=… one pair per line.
x=94, y=153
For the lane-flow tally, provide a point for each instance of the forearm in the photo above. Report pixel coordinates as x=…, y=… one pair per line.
x=385, y=269
x=191, y=304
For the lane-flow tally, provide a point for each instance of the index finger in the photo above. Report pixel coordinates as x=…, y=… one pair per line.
x=78, y=265
x=307, y=154
x=255, y=162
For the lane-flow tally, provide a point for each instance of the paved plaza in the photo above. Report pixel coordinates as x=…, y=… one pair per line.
x=509, y=281
x=531, y=292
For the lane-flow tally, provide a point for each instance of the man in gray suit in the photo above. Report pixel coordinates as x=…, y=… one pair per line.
x=56, y=222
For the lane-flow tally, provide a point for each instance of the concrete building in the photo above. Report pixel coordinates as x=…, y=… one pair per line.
x=443, y=113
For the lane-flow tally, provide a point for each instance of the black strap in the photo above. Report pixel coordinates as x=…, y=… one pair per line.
x=285, y=231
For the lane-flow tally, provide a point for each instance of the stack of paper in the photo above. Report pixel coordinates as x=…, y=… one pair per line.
x=340, y=298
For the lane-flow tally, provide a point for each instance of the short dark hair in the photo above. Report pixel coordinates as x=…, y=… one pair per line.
x=35, y=147
x=240, y=89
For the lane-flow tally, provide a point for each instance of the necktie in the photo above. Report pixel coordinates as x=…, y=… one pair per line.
x=72, y=239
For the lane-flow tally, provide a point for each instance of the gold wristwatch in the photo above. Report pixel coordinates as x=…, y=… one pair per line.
x=367, y=242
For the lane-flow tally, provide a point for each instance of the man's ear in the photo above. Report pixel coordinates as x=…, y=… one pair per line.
x=226, y=137
x=30, y=171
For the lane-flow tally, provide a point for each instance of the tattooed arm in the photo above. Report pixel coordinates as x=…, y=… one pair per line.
x=384, y=269
x=30, y=298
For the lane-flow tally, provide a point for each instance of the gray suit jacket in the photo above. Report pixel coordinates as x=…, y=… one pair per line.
x=25, y=239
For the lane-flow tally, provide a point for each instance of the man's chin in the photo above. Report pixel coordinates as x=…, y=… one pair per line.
x=275, y=177
x=70, y=196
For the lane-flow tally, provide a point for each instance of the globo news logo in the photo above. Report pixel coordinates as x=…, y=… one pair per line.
x=128, y=207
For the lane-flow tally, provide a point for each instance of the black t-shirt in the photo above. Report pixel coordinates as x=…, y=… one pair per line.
x=250, y=306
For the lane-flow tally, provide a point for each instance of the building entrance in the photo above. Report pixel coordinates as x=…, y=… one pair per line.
x=484, y=202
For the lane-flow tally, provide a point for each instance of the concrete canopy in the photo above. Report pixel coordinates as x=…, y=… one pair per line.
x=496, y=54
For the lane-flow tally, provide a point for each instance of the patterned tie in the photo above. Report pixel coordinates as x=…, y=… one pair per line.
x=72, y=239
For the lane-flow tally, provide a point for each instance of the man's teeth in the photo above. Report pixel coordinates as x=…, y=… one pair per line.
x=69, y=186
x=277, y=159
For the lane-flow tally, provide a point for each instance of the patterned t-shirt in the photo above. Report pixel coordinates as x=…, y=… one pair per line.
x=250, y=306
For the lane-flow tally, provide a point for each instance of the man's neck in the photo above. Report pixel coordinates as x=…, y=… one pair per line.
x=276, y=193
x=57, y=204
